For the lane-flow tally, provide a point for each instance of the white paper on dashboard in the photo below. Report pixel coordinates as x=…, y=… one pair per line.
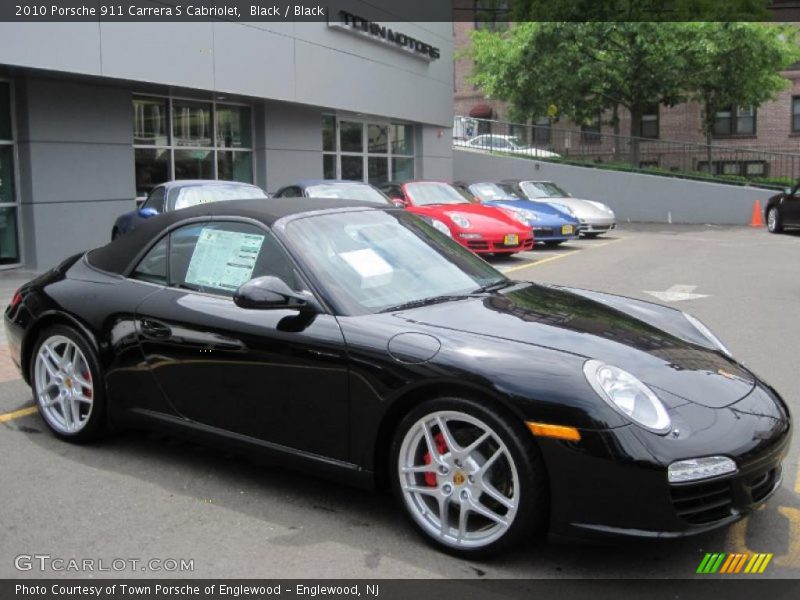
x=369, y=265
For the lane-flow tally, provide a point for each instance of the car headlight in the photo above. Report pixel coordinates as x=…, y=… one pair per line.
x=459, y=220
x=708, y=334
x=601, y=206
x=628, y=396
x=564, y=208
x=437, y=224
x=520, y=215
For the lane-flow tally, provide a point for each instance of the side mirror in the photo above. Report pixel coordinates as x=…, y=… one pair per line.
x=148, y=212
x=787, y=191
x=398, y=202
x=271, y=292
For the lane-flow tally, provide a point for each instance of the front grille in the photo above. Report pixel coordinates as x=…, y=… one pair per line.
x=541, y=232
x=601, y=227
x=477, y=245
x=761, y=486
x=702, y=503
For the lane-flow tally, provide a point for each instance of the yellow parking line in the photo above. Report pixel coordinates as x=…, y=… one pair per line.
x=560, y=256
x=16, y=414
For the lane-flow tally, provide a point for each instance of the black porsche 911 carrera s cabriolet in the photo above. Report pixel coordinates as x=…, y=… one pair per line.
x=359, y=342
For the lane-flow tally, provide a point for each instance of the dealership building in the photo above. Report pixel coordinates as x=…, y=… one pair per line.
x=94, y=114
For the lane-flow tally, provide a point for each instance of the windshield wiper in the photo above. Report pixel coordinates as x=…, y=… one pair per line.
x=494, y=287
x=428, y=301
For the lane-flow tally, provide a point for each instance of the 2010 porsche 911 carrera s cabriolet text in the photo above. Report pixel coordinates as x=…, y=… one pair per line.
x=358, y=341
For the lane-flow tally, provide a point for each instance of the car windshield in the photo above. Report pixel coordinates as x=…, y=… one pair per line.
x=347, y=191
x=491, y=191
x=424, y=194
x=542, y=189
x=373, y=260
x=201, y=194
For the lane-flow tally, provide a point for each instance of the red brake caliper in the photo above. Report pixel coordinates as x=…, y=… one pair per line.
x=441, y=447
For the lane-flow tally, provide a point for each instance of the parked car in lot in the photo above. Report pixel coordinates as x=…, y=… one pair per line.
x=183, y=193
x=506, y=143
x=333, y=188
x=595, y=218
x=551, y=226
x=783, y=210
x=482, y=229
x=353, y=341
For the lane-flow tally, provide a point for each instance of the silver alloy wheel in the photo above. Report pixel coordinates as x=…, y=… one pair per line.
x=458, y=479
x=63, y=384
x=772, y=219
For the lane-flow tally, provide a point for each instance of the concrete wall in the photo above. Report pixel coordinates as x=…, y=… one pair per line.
x=305, y=63
x=75, y=148
x=633, y=196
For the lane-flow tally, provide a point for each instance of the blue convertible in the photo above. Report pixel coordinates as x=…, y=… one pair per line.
x=552, y=225
x=183, y=193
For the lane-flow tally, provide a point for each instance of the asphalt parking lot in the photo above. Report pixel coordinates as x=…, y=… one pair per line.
x=140, y=496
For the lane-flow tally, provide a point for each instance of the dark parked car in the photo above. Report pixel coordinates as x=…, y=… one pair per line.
x=783, y=210
x=183, y=193
x=333, y=188
x=355, y=340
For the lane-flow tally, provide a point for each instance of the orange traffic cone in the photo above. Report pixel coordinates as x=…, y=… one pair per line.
x=756, y=220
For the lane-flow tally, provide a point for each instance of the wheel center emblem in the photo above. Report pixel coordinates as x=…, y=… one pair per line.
x=68, y=382
x=459, y=478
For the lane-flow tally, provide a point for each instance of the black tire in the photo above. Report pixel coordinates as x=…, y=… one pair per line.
x=96, y=424
x=774, y=226
x=532, y=506
x=590, y=235
x=553, y=243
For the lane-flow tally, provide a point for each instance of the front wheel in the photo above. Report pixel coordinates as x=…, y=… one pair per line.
x=774, y=220
x=471, y=481
x=67, y=385
x=590, y=235
x=553, y=243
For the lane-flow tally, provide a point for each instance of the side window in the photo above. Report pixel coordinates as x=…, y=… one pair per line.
x=218, y=257
x=292, y=192
x=153, y=267
x=155, y=200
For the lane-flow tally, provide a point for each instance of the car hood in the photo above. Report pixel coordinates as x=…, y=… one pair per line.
x=481, y=217
x=583, y=209
x=547, y=213
x=573, y=323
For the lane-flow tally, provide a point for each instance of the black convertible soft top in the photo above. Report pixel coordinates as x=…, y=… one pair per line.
x=117, y=256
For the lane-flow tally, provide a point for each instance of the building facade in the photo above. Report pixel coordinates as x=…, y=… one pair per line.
x=93, y=115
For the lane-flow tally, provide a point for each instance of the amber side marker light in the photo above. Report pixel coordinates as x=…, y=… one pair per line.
x=560, y=432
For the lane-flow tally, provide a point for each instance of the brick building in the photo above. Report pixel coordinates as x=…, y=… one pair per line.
x=773, y=127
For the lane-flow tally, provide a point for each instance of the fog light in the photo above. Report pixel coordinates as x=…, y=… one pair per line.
x=693, y=469
x=470, y=236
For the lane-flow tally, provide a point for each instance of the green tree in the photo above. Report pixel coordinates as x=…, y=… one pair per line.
x=584, y=69
x=640, y=10
x=736, y=64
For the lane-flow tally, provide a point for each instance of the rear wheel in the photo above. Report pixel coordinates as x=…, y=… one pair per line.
x=67, y=384
x=472, y=482
x=774, y=220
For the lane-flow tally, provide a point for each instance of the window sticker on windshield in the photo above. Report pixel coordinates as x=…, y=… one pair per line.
x=223, y=259
x=374, y=271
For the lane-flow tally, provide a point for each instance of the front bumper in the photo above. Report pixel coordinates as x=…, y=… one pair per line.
x=596, y=226
x=614, y=482
x=551, y=233
x=496, y=244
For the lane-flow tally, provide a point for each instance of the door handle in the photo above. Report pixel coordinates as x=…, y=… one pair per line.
x=154, y=329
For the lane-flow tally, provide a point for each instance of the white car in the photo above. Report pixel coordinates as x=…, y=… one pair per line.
x=595, y=218
x=507, y=143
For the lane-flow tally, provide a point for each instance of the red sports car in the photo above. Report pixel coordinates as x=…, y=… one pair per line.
x=482, y=229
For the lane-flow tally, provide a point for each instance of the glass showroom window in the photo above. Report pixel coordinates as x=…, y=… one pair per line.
x=364, y=151
x=177, y=138
x=9, y=240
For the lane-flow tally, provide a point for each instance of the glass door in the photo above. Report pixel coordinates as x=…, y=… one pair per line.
x=9, y=238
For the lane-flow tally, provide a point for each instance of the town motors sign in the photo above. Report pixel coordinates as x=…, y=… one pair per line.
x=384, y=35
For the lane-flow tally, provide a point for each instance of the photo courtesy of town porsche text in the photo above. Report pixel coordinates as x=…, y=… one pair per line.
x=189, y=590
